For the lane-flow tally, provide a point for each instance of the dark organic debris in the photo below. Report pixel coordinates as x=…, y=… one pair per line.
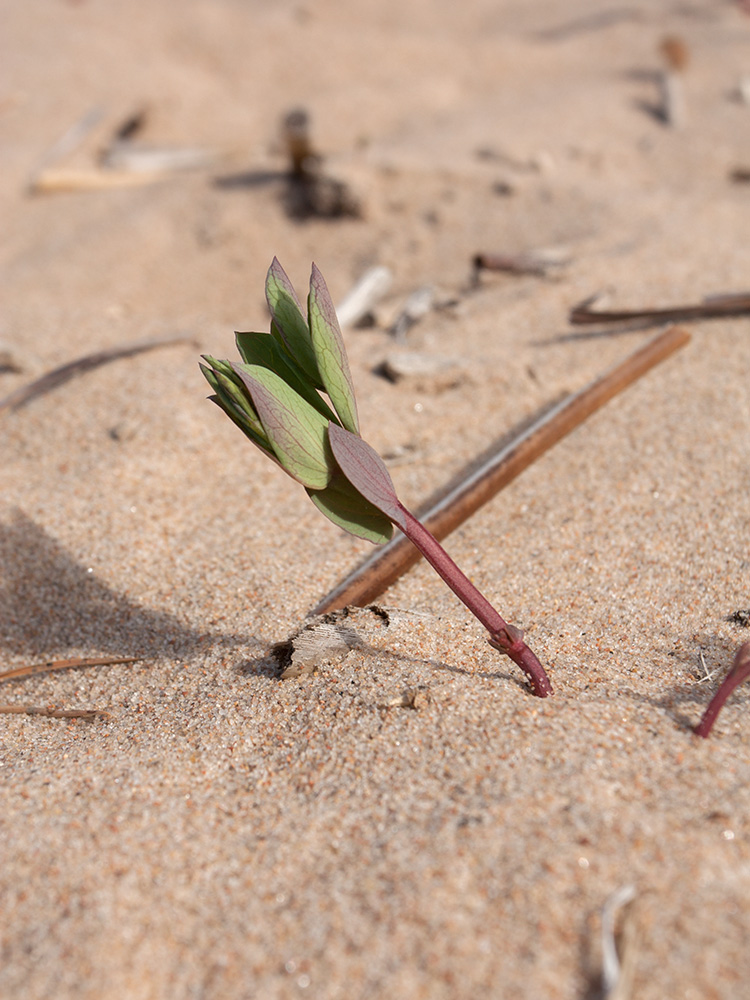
x=534, y=262
x=309, y=192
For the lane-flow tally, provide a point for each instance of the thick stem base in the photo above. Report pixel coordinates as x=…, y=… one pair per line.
x=504, y=637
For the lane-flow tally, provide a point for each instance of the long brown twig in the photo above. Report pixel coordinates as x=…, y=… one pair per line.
x=388, y=563
x=716, y=307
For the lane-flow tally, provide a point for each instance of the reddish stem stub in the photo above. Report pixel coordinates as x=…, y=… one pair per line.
x=739, y=672
x=505, y=638
x=524, y=657
x=365, y=470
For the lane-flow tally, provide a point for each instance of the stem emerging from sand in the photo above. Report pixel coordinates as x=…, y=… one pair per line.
x=740, y=671
x=506, y=638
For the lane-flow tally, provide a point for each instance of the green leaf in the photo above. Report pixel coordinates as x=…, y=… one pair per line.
x=290, y=322
x=236, y=403
x=330, y=353
x=263, y=349
x=295, y=429
x=347, y=508
x=236, y=419
x=366, y=471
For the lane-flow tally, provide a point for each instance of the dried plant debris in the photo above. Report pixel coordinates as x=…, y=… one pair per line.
x=123, y=154
x=358, y=305
x=330, y=638
x=87, y=714
x=540, y=263
x=618, y=945
x=416, y=307
x=309, y=192
x=676, y=56
x=129, y=157
x=122, y=163
x=712, y=307
x=48, y=666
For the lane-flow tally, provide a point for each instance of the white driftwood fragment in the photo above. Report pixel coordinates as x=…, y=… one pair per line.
x=416, y=307
x=364, y=296
x=126, y=155
x=617, y=969
x=329, y=638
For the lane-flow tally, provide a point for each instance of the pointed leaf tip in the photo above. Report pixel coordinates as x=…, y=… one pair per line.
x=330, y=352
x=290, y=322
x=366, y=471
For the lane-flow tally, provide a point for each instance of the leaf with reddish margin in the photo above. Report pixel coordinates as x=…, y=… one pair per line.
x=330, y=353
x=290, y=322
x=739, y=672
x=366, y=471
x=296, y=431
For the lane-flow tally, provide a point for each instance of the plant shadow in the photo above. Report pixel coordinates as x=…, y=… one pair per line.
x=686, y=701
x=50, y=604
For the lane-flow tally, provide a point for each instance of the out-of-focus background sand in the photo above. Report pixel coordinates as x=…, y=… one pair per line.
x=224, y=834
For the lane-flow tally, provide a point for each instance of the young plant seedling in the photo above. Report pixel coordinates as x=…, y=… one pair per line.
x=275, y=397
x=738, y=672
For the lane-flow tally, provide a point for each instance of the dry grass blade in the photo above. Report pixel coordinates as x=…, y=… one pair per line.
x=618, y=964
x=32, y=669
x=54, y=713
x=59, y=376
x=73, y=138
x=716, y=307
x=391, y=561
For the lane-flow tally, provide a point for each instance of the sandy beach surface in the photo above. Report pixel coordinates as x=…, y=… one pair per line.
x=407, y=821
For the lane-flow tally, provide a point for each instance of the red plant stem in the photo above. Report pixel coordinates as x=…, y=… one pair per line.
x=504, y=637
x=739, y=671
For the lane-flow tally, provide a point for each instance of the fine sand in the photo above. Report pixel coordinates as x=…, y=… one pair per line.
x=408, y=821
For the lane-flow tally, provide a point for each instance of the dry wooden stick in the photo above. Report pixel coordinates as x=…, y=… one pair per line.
x=534, y=262
x=391, y=561
x=50, y=180
x=58, y=376
x=716, y=307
